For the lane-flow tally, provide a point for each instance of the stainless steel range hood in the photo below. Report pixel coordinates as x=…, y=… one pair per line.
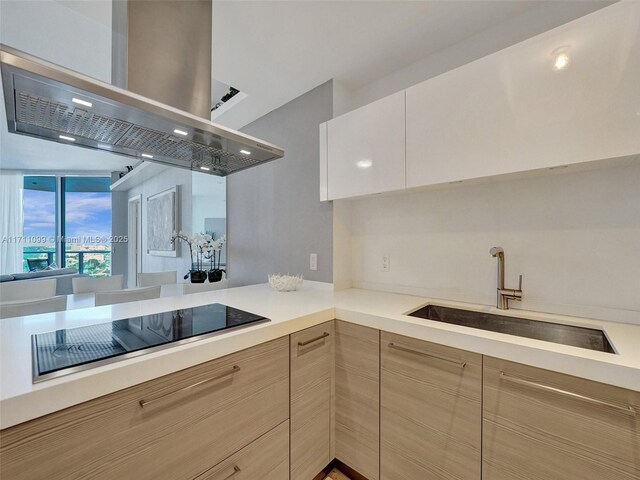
x=51, y=102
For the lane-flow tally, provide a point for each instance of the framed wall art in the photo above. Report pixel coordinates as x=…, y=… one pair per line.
x=162, y=221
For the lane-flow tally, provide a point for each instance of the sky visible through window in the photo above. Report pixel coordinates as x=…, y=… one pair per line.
x=39, y=217
x=86, y=217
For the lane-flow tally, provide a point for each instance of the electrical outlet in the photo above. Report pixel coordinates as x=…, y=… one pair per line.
x=386, y=262
x=313, y=261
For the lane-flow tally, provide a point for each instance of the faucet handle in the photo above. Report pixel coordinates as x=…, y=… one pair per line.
x=520, y=283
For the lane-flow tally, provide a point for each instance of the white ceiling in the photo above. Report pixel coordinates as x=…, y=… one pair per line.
x=273, y=51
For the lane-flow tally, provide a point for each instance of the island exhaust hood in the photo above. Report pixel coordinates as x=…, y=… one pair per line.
x=161, y=50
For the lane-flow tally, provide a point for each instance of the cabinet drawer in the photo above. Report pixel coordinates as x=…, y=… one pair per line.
x=542, y=424
x=190, y=420
x=267, y=458
x=311, y=370
x=430, y=420
x=357, y=398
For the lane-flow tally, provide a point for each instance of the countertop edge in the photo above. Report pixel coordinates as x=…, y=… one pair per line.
x=353, y=306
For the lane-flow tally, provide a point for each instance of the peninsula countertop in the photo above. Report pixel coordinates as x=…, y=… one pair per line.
x=313, y=303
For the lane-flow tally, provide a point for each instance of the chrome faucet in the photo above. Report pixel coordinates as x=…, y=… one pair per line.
x=504, y=294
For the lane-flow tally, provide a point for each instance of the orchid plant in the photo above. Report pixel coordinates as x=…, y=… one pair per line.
x=215, y=248
x=199, y=244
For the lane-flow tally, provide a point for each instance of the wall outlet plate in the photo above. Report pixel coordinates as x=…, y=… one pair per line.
x=313, y=261
x=386, y=262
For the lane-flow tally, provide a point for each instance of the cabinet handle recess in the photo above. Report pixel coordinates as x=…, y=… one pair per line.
x=628, y=409
x=236, y=469
x=402, y=348
x=313, y=340
x=235, y=369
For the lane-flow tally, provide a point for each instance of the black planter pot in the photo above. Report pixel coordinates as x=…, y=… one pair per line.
x=198, y=276
x=215, y=275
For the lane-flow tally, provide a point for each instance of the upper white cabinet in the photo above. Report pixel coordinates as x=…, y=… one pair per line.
x=567, y=96
x=366, y=149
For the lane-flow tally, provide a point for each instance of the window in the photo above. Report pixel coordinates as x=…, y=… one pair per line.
x=73, y=230
x=39, y=222
x=86, y=222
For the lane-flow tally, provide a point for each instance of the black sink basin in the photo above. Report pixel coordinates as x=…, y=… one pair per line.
x=590, y=338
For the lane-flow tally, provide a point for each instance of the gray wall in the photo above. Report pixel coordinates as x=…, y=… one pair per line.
x=274, y=216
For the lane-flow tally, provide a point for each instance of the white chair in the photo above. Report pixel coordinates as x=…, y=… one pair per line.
x=98, y=284
x=157, y=278
x=124, y=296
x=44, y=305
x=189, y=288
x=27, y=290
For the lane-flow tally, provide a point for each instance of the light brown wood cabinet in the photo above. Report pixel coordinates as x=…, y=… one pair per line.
x=311, y=384
x=357, y=397
x=267, y=458
x=177, y=426
x=539, y=424
x=430, y=410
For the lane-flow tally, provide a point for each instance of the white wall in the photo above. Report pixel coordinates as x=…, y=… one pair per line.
x=209, y=199
x=574, y=236
x=74, y=34
x=164, y=180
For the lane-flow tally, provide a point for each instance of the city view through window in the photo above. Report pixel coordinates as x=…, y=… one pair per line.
x=70, y=231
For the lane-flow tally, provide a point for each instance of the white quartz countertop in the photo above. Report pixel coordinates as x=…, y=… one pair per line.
x=313, y=303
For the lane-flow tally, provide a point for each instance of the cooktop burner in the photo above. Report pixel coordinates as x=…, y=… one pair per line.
x=71, y=350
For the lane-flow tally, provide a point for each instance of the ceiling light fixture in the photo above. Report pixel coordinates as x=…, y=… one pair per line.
x=560, y=57
x=245, y=152
x=561, y=62
x=364, y=163
x=82, y=102
x=206, y=169
x=64, y=137
x=180, y=132
x=146, y=155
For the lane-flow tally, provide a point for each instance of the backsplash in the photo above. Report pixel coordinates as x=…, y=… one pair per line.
x=575, y=238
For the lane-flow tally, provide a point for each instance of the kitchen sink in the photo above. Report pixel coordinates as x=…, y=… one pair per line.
x=582, y=337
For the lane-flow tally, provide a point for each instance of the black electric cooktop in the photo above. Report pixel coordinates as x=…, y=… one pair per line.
x=71, y=350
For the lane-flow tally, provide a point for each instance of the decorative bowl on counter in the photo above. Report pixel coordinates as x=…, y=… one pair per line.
x=285, y=283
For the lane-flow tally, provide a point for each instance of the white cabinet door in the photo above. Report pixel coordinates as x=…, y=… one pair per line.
x=366, y=149
x=514, y=111
x=323, y=162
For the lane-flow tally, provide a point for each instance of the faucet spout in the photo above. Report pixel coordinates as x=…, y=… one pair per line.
x=504, y=294
x=499, y=253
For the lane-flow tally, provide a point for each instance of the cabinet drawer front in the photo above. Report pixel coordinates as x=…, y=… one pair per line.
x=267, y=458
x=191, y=420
x=311, y=368
x=430, y=416
x=357, y=399
x=542, y=424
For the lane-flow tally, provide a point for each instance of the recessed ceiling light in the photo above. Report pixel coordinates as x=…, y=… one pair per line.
x=205, y=168
x=146, y=155
x=180, y=132
x=364, y=163
x=561, y=61
x=245, y=152
x=64, y=137
x=82, y=102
